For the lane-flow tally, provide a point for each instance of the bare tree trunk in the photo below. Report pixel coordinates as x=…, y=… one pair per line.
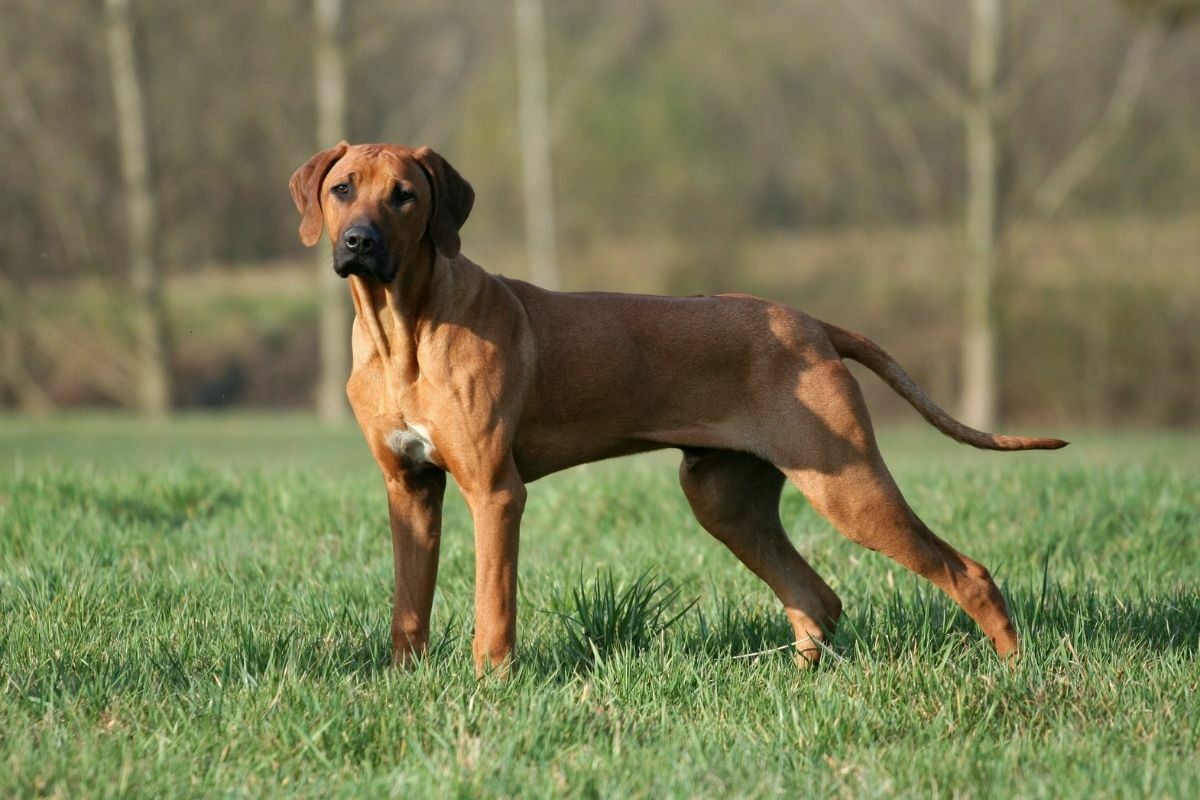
x=144, y=271
x=334, y=326
x=536, y=166
x=900, y=136
x=979, y=357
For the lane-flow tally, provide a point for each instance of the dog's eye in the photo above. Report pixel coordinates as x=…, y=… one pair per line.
x=341, y=189
x=401, y=196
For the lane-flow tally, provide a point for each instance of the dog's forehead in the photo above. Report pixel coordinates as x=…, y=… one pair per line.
x=379, y=162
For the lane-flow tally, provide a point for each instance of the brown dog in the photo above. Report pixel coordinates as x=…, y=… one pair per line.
x=499, y=382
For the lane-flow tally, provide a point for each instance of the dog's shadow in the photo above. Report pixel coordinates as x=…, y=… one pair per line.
x=1080, y=624
x=1143, y=622
x=1052, y=620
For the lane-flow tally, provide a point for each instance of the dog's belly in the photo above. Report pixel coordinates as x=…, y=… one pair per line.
x=537, y=457
x=542, y=449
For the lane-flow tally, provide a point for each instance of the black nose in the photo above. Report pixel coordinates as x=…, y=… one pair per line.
x=361, y=239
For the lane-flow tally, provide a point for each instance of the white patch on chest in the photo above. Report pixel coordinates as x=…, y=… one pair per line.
x=412, y=444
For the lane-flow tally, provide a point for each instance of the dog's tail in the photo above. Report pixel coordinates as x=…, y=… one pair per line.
x=859, y=348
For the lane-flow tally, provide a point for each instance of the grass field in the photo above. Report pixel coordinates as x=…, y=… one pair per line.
x=201, y=609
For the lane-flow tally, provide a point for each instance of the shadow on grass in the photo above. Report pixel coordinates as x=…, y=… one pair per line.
x=921, y=621
x=1160, y=621
x=324, y=644
x=722, y=632
x=926, y=621
x=165, y=501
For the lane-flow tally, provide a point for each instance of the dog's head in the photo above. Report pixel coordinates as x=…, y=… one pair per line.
x=380, y=202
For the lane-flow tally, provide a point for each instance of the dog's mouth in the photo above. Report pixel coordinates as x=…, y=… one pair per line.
x=364, y=266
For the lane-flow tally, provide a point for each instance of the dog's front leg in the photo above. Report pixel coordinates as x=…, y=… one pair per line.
x=496, y=504
x=415, y=511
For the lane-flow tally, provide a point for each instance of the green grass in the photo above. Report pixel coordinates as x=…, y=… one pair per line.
x=201, y=609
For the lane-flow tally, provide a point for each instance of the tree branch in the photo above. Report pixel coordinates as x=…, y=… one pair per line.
x=882, y=31
x=1028, y=65
x=423, y=119
x=617, y=34
x=1053, y=192
x=53, y=160
x=899, y=134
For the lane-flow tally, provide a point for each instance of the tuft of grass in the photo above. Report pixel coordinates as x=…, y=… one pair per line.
x=604, y=617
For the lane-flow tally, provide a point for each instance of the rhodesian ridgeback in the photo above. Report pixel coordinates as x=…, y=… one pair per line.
x=499, y=382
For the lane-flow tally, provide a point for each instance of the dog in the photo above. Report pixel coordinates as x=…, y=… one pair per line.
x=499, y=382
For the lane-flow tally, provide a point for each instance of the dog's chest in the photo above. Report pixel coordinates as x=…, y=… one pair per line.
x=411, y=443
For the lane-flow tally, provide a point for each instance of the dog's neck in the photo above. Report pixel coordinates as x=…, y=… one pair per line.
x=390, y=315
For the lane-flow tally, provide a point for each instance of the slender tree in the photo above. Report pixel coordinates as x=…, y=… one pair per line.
x=145, y=273
x=334, y=324
x=536, y=163
x=979, y=365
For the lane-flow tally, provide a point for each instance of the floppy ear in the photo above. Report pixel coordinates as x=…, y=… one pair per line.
x=306, y=191
x=452, y=201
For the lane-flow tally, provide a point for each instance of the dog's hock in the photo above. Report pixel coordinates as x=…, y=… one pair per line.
x=412, y=444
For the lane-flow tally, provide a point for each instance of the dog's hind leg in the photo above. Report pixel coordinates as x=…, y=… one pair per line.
x=735, y=496
x=842, y=474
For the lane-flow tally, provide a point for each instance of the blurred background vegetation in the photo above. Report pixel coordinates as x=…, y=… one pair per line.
x=1005, y=186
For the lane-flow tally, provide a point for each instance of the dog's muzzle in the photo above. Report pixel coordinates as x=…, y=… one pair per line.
x=360, y=251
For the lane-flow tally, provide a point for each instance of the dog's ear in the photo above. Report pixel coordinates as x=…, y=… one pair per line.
x=453, y=198
x=306, y=191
